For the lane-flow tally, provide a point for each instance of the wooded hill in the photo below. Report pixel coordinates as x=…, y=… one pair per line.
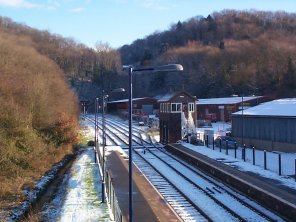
x=229, y=52
x=80, y=64
x=38, y=115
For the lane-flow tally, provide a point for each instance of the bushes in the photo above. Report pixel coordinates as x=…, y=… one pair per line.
x=63, y=132
x=34, y=99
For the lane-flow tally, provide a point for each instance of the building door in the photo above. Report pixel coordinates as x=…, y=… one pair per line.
x=222, y=115
x=147, y=109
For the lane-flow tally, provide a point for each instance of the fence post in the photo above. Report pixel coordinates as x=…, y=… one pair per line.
x=244, y=152
x=204, y=139
x=226, y=147
x=265, y=165
x=295, y=169
x=253, y=150
x=235, y=148
x=207, y=140
x=213, y=143
x=113, y=201
x=220, y=144
x=280, y=164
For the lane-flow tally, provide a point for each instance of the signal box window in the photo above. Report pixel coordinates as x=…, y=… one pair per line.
x=176, y=107
x=191, y=107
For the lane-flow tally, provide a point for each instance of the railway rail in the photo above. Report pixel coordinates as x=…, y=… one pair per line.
x=193, y=195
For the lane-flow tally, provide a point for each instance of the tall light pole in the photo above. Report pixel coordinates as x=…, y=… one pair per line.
x=96, y=127
x=104, y=144
x=242, y=120
x=104, y=137
x=131, y=70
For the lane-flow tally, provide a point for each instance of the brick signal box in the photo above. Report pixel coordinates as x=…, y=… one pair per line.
x=175, y=111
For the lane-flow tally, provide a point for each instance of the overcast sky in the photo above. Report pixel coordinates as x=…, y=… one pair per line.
x=120, y=22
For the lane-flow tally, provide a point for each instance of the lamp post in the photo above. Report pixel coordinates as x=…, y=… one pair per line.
x=131, y=70
x=104, y=144
x=96, y=127
x=104, y=137
x=242, y=120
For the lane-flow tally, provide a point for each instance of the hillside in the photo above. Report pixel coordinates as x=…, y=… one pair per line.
x=84, y=68
x=38, y=116
x=229, y=52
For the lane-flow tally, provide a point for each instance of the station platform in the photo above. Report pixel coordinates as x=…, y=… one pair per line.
x=149, y=206
x=267, y=192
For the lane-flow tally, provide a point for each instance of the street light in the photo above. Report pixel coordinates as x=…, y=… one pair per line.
x=104, y=144
x=96, y=127
x=104, y=136
x=131, y=70
x=242, y=120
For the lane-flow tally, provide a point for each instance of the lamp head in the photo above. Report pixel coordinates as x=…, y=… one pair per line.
x=118, y=90
x=168, y=68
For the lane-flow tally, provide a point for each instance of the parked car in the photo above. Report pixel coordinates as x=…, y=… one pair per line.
x=141, y=123
x=224, y=139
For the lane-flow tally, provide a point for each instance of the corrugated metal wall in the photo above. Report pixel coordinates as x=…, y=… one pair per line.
x=265, y=128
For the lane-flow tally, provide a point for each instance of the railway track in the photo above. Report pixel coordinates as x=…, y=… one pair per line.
x=192, y=194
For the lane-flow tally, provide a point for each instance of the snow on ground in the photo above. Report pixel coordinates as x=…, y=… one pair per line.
x=87, y=129
x=226, y=100
x=82, y=201
x=40, y=187
x=288, y=167
x=239, y=164
x=280, y=107
x=219, y=129
x=288, y=159
x=79, y=196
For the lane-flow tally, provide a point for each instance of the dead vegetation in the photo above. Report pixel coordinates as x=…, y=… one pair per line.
x=38, y=116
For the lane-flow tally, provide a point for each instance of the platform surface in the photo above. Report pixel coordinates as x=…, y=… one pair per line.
x=148, y=204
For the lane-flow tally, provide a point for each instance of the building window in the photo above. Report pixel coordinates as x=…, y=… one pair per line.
x=176, y=107
x=191, y=107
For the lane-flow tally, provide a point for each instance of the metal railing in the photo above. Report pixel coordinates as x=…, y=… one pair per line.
x=112, y=199
x=280, y=162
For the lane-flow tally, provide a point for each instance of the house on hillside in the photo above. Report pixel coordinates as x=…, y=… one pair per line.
x=220, y=109
x=270, y=126
x=176, y=116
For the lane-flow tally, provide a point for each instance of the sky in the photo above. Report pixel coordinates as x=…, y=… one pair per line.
x=120, y=22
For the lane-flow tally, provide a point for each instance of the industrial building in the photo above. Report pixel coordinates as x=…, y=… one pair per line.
x=270, y=126
x=141, y=106
x=220, y=109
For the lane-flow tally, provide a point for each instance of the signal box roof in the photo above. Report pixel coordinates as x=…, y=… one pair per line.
x=170, y=96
